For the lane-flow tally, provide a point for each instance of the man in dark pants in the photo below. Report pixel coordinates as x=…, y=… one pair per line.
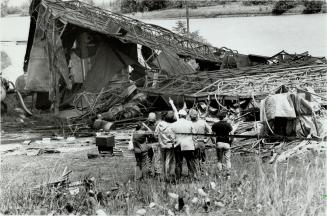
x=201, y=127
x=223, y=143
x=154, y=151
x=141, y=152
x=184, y=145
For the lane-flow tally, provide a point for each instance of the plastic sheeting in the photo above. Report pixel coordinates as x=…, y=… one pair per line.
x=38, y=73
x=170, y=63
x=278, y=105
x=108, y=67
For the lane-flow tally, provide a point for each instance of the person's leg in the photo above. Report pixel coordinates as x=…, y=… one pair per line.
x=156, y=160
x=145, y=164
x=203, y=155
x=179, y=162
x=191, y=162
x=219, y=159
x=138, y=168
x=170, y=160
x=163, y=155
x=227, y=157
x=150, y=158
x=197, y=158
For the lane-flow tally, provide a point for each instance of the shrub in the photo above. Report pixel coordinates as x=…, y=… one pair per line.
x=312, y=7
x=282, y=6
x=251, y=2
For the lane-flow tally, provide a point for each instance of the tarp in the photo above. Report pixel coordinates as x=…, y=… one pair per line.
x=278, y=105
x=170, y=63
x=38, y=73
x=108, y=67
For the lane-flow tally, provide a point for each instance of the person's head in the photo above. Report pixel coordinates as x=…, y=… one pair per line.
x=138, y=126
x=193, y=114
x=222, y=115
x=152, y=117
x=169, y=117
x=182, y=113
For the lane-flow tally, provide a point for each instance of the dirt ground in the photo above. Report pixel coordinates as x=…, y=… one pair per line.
x=294, y=187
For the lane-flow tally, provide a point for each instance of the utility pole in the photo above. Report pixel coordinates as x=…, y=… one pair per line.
x=187, y=18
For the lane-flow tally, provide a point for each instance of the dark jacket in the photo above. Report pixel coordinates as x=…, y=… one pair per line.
x=222, y=128
x=139, y=142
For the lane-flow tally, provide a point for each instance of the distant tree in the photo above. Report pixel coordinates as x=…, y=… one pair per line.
x=4, y=7
x=180, y=28
x=154, y=4
x=312, y=7
x=5, y=60
x=128, y=6
x=90, y=2
x=282, y=6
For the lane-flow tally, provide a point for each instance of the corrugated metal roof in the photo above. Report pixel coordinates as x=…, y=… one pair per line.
x=128, y=29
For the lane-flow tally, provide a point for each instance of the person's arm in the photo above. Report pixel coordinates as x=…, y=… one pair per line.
x=209, y=131
x=213, y=129
x=174, y=108
x=231, y=132
x=194, y=137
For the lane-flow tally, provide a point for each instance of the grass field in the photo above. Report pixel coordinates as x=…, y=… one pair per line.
x=232, y=9
x=296, y=187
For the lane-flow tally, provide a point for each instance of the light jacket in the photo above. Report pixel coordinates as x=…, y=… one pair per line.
x=166, y=137
x=185, y=141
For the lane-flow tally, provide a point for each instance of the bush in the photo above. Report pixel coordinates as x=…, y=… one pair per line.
x=312, y=7
x=282, y=6
x=129, y=6
x=4, y=8
x=251, y=2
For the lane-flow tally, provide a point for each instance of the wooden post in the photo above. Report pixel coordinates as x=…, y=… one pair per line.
x=54, y=71
x=187, y=19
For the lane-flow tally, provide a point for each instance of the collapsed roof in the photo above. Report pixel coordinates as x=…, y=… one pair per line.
x=121, y=27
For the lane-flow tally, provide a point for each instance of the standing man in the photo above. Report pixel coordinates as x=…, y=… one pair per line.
x=223, y=143
x=139, y=139
x=166, y=140
x=184, y=145
x=200, y=127
x=153, y=152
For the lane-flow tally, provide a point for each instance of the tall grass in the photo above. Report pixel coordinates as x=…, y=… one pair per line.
x=296, y=187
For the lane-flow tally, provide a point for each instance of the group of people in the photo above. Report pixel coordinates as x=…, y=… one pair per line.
x=161, y=146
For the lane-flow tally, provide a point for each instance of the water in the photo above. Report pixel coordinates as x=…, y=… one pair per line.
x=262, y=35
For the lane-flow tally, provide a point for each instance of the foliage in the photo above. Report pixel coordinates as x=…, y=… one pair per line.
x=129, y=6
x=4, y=7
x=312, y=7
x=5, y=60
x=21, y=10
x=297, y=187
x=254, y=2
x=282, y=6
x=181, y=28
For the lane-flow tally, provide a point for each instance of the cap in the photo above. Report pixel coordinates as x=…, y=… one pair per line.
x=169, y=116
x=222, y=114
x=193, y=113
x=182, y=112
x=152, y=116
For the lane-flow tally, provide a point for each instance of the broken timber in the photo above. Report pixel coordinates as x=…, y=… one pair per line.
x=125, y=28
x=253, y=84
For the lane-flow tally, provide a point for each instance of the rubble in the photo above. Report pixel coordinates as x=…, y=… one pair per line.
x=277, y=106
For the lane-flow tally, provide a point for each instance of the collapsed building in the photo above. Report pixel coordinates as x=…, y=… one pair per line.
x=93, y=61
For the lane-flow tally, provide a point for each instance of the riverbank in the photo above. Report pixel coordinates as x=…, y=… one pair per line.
x=235, y=9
